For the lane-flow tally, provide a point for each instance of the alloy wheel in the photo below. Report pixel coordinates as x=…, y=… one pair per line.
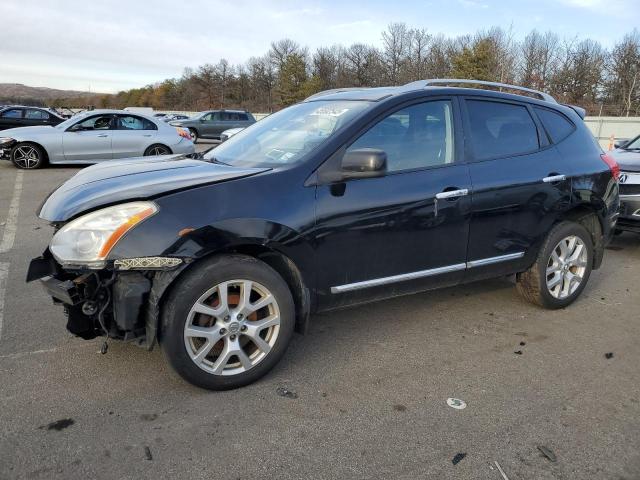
x=566, y=267
x=26, y=156
x=158, y=150
x=232, y=327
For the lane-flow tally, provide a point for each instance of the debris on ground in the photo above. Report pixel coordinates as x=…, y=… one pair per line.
x=547, y=453
x=147, y=453
x=522, y=344
x=458, y=457
x=456, y=403
x=399, y=408
x=284, y=392
x=608, y=355
x=59, y=424
x=518, y=352
x=504, y=475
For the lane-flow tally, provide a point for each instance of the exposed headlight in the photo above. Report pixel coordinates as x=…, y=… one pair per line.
x=4, y=140
x=87, y=240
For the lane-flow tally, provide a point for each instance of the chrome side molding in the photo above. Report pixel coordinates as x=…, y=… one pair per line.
x=376, y=282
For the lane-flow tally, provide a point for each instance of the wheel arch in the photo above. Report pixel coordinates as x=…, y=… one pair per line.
x=588, y=216
x=158, y=144
x=32, y=142
x=281, y=263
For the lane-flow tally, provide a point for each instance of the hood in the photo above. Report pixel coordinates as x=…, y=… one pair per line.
x=133, y=179
x=11, y=132
x=629, y=160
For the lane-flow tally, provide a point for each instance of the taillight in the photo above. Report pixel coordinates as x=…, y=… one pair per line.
x=613, y=165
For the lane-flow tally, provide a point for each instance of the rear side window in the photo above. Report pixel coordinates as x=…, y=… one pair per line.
x=33, y=114
x=131, y=122
x=558, y=126
x=13, y=113
x=500, y=129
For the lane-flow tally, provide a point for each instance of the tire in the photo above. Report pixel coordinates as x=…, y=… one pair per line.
x=28, y=156
x=157, y=149
x=209, y=362
x=535, y=284
x=194, y=134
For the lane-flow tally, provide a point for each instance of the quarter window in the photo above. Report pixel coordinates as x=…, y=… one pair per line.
x=33, y=114
x=500, y=129
x=415, y=137
x=558, y=127
x=131, y=122
x=13, y=113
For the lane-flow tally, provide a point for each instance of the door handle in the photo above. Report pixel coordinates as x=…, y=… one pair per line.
x=554, y=178
x=103, y=135
x=452, y=194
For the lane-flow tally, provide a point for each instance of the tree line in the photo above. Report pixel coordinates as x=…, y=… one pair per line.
x=605, y=81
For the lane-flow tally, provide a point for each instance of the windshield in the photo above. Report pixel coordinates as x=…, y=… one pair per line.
x=633, y=144
x=67, y=123
x=284, y=138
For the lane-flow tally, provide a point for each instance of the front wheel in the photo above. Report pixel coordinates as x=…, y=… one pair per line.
x=227, y=322
x=28, y=156
x=562, y=268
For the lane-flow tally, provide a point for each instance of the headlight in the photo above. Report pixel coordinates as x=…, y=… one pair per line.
x=87, y=240
x=4, y=140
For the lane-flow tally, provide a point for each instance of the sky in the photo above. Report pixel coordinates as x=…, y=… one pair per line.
x=111, y=45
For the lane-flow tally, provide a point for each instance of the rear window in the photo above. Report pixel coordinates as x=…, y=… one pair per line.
x=557, y=126
x=131, y=122
x=500, y=129
x=33, y=114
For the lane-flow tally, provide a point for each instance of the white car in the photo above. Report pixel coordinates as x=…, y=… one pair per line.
x=93, y=137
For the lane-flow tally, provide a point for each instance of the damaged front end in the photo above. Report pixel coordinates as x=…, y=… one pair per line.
x=120, y=301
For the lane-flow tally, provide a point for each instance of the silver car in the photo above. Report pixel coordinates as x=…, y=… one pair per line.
x=93, y=137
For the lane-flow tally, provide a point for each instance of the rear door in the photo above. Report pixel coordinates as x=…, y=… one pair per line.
x=11, y=118
x=519, y=188
x=35, y=116
x=407, y=230
x=89, y=140
x=132, y=136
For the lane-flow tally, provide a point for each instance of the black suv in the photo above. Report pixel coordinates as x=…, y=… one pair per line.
x=350, y=196
x=212, y=123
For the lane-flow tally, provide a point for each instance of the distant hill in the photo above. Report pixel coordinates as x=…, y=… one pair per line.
x=13, y=92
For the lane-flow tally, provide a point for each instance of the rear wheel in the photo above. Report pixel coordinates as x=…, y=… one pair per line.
x=28, y=156
x=194, y=134
x=157, y=150
x=562, y=268
x=227, y=322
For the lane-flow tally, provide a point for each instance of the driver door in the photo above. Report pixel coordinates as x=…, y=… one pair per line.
x=403, y=231
x=89, y=140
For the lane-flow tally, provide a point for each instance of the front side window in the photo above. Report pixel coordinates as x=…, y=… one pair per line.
x=286, y=137
x=13, y=113
x=131, y=122
x=500, y=129
x=418, y=136
x=33, y=114
x=99, y=122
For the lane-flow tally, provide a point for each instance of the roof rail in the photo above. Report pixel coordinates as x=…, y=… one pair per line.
x=332, y=91
x=443, y=81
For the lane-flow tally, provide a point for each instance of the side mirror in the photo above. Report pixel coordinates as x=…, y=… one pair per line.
x=620, y=142
x=364, y=163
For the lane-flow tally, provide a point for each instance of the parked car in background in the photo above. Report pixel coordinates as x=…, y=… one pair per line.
x=227, y=134
x=212, y=123
x=628, y=157
x=18, y=116
x=349, y=196
x=91, y=137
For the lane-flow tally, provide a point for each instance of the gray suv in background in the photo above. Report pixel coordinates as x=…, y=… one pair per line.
x=212, y=123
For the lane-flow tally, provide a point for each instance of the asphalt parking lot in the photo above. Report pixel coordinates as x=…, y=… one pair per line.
x=370, y=384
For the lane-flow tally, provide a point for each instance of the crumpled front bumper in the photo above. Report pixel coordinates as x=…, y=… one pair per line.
x=121, y=304
x=629, y=218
